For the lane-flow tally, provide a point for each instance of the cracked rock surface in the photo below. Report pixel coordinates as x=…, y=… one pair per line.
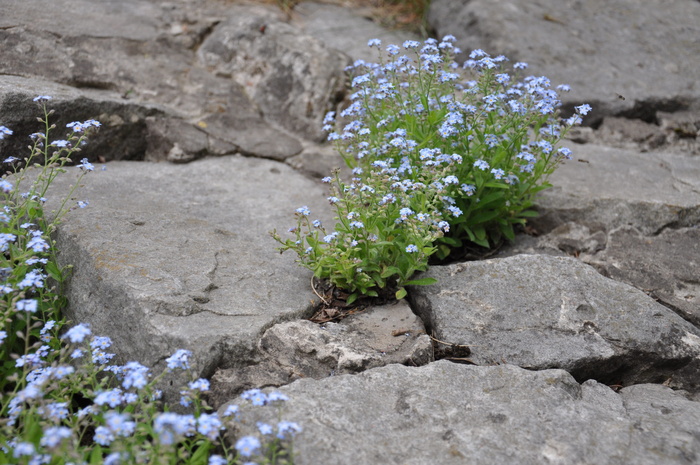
x=583, y=332
x=453, y=414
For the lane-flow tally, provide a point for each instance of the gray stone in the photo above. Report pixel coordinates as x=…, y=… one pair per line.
x=167, y=258
x=454, y=414
x=622, y=59
x=343, y=30
x=539, y=311
x=174, y=140
x=665, y=266
x=616, y=187
x=290, y=76
x=318, y=161
x=377, y=336
x=123, y=133
x=568, y=239
x=152, y=62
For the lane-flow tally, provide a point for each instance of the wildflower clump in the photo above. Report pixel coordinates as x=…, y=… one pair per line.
x=64, y=399
x=444, y=155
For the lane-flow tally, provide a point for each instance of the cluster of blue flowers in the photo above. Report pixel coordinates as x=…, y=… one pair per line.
x=63, y=399
x=414, y=107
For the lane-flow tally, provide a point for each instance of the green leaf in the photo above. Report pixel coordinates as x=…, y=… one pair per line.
x=528, y=214
x=421, y=282
x=54, y=271
x=390, y=271
x=201, y=455
x=96, y=455
x=352, y=297
x=401, y=293
x=451, y=241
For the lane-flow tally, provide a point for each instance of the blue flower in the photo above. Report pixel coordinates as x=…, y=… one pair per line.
x=411, y=248
x=583, y=109
x=3, y=335
x=86, y=165
x=136, y=375
x=42, y=98
x=277, y=396
x=451, y=179
x=6, y=239
x=264, y=428
x=54, y=435
x=103, y=436
x=180, y=359
x=454, y=210
x=169, y=426
x=61, y=143
x=120, y=423
x=256, y=396
x=5, y=131
x=481, y=164
x=374, y=43
x=23, y=448
x=113, y=397
x=247, y=445
x=565, y=152
x=285, y=428
x=32, y=279
x=392, y=49
x=27, y=305
x=54, y=412
x=498, y=173
x=217, y=460
x=209, y=425
x=201, y=385
x=304, y=210
x=231, y=410
x=6, y=186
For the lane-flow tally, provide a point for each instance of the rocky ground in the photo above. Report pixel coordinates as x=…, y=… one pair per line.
x=580, y=344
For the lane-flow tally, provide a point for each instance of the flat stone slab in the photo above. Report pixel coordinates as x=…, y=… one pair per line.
x=377, y=336
x=617, y=187
x=454, y=414
x=344, y=30
x=618, y=57
x=665, y=265
x=171, y=256
x=540, y=311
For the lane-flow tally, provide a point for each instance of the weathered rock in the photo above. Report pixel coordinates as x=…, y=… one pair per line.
x=290, y=76
x=168, y=258
x=453, y=414
x=666, y=266
x=378, y=336
x=622, y=59
x=123, y=133
x=318, y=161
x=174, y=140
x=615, y=187
x=568, y=239
x=539, y=311
x=343, y=30
x=152, y=62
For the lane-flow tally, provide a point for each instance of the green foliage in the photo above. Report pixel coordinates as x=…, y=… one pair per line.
x=62, y=399
x=461, y=156
x=413, y=107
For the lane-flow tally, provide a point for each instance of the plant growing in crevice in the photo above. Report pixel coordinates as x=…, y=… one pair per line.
x=63, y=400
x=443, y=156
